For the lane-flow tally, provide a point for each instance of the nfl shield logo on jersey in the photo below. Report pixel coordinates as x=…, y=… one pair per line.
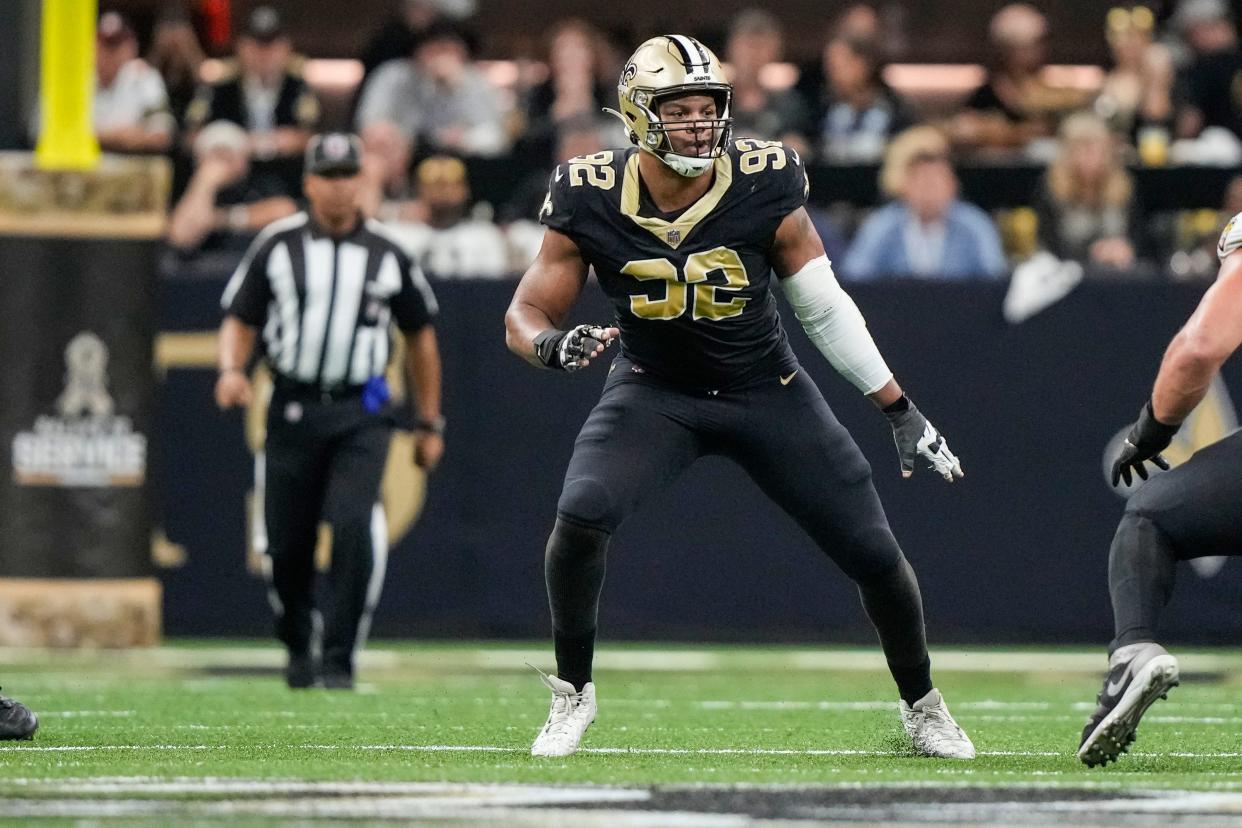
x=674, y=236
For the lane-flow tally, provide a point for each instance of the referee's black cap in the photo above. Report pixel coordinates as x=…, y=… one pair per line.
x=334, y=153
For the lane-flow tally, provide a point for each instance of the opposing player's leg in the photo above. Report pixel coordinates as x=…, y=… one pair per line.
x=295, y=471
x=359, y=547
x=793, y=447
x=1190, y=512
x=636, y=441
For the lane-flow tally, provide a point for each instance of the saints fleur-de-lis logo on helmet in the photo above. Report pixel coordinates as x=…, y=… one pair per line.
x=665, y=67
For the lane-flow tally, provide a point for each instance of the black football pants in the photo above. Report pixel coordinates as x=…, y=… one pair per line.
x=1193, y=511
x=323, y=463
x=644, y=432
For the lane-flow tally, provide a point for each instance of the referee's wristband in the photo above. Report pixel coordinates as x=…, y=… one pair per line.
x=430, y=425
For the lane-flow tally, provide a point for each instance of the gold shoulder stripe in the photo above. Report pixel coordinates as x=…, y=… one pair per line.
x=673, y=233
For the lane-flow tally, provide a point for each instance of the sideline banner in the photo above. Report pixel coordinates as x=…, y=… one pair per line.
x=75, y=348
x=77, y=318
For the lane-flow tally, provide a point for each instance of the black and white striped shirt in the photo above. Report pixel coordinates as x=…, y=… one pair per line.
x=325, y=304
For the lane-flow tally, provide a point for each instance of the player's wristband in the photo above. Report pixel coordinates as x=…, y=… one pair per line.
x=431, y=425
x=1150, y=430
x=897, y=406
x=547, y=344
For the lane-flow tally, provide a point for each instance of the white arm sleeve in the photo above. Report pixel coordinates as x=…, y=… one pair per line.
x=836, y=326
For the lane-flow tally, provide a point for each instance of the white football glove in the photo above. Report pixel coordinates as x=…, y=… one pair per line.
x=915, y=436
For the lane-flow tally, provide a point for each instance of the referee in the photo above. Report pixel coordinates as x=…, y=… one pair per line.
x=323, y=286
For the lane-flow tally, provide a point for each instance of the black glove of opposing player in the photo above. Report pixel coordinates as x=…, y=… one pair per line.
x=574, y=349
x=915, y=436
x=1147, y=438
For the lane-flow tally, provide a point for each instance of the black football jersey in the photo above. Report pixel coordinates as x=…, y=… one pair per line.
x=691, y=290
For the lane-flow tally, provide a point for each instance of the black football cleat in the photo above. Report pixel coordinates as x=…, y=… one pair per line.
x=338, y=681
x=300, y=673
x=1133, y=684
x=17, y=721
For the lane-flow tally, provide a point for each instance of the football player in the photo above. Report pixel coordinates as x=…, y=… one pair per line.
x=1191, y=512
x=683, y=232
x=17, y=721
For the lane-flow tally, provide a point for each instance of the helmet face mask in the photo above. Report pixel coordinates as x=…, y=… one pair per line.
x=665, y=69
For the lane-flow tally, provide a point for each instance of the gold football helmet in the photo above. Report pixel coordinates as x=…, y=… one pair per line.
x=665, y=67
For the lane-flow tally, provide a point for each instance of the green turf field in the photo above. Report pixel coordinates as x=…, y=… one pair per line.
x=182, y=721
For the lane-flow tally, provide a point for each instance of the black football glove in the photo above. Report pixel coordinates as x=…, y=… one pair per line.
x=1147, y=438
x=574, y=349
x=915, y=436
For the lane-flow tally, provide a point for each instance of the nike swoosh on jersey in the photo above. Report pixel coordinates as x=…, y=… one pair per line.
x=788, y=379
x=559, y=174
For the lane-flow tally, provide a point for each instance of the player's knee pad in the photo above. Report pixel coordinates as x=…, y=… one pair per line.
x=874, y=556
x=1138, y=536
x=1153, y=497
x=587, y=501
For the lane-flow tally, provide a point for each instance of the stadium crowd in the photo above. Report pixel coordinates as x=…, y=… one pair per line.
x=428, y=110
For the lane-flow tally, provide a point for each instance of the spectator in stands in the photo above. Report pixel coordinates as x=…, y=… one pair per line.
x=131, y=104
x=1015, y=105
x=926, y=231
x=858, y=112
x=385, y=167
x=859, y=21
x=178, y=56
x=222, y=198
x=396, y=36
x=263, y=92
x=755, y=41
x=449, y=242
x=1086, y=206
x=1209, y=82
x=1196, y=233
x=574, y=87
x=1136, y=96
x=438, y=97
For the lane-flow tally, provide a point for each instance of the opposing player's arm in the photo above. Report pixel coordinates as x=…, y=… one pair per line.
x=1209, y=337
x=835, y=325
x=541, y=304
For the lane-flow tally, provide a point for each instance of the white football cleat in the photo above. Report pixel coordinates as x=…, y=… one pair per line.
x=1138, y=675
x=931, y=727
x=571, y=714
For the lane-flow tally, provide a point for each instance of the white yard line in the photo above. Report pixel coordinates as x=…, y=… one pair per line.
x=587, y=750
x=655, y=659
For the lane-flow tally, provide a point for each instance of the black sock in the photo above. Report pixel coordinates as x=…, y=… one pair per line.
x=573, y=567
x=895, y=606
x=1142, y=566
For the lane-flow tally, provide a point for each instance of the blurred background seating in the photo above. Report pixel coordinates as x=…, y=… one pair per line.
x=1015, y=87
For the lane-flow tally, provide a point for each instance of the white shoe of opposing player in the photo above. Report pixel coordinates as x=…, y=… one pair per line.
x=931, y=727
x=571, y=714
